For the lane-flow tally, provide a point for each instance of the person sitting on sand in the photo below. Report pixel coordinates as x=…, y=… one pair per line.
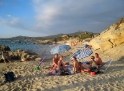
x=80, y=66
x=93, y=63
x=60, y=65
x=76, y=65
x=98, y=59
x=55, y=60
x=5, y=56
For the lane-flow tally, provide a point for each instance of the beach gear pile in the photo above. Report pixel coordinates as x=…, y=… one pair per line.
x=53, y=71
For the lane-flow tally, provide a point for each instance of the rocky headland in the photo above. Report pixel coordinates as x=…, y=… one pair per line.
x=111, y=41
x=21, y=55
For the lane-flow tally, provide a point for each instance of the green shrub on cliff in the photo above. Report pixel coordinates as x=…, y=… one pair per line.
x=84, y=36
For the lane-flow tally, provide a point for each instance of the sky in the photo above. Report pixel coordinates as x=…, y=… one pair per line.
x=37, y=18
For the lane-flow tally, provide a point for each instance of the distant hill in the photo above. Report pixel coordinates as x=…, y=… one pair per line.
x=70, y=34
x=20, y=36
x=15, y=38
x=48, y=37
x=51, y=36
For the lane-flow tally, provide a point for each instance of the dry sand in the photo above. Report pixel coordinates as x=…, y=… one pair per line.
x=32, y=80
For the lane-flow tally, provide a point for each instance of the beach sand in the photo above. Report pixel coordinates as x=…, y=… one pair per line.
x=29, y=79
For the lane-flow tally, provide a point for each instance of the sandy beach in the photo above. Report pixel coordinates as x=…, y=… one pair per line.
x=29, y=79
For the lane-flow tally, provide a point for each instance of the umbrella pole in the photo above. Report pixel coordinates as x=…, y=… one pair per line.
x=37, y=68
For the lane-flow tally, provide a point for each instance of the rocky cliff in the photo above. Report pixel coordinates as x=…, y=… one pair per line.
x=110, y=38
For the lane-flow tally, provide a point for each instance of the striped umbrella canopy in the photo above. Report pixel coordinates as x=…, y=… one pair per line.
x=80, y=54
x=60, y=49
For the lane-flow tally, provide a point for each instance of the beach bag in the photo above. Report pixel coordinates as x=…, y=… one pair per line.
x=9, y=77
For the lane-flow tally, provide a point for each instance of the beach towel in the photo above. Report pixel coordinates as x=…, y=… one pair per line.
x=53, y=71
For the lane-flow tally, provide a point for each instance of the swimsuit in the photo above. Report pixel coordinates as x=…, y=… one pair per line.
x=94, y=64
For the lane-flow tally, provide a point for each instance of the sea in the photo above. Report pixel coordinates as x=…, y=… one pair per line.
x=41, y=49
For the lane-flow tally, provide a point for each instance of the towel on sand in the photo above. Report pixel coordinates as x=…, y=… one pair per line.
x=53, y=71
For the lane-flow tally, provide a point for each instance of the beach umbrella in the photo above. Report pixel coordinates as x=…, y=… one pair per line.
x=80, y=54
x=60, y=49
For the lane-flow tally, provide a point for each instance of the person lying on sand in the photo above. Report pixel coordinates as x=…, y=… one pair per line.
x=98, y=59
x=76, y=68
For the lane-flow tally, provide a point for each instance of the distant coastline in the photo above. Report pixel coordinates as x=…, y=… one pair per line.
x=59, y=38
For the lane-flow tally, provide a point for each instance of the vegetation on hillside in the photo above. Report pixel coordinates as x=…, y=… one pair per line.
x=84, y=36
x=80, y=36
x=59, y=37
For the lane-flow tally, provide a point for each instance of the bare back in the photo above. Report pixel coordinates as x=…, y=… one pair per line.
x=98, y=61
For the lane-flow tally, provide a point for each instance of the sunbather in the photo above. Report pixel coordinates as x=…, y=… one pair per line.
x=98, y=59
x=55, y=60
x=76, y=68
x=61, y=65
x=93, y=63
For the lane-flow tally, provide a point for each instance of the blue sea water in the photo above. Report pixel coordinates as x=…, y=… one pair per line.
x=26, y=45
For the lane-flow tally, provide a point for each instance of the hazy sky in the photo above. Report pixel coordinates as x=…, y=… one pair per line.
x=48, y=17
